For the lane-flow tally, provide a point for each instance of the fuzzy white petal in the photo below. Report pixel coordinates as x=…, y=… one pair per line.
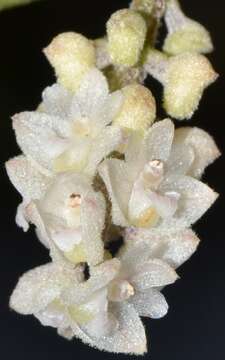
x=106, y=142
x=93, y=220
x=150, y=303
x=109, y=109
x=102, y=324
x=56, y=101
x=52, y=315
x=27, y=178
x=159, y=140
x=203, y=145
x=173, y=247
x=153, y=273
x=181, y=159
x=38, y=137
x=136, y=155
x=21, y=220
x=115, y=175
x=92, y=93
x=130, y=337
x=195, y=198
x=37, y=288
x=180, y=247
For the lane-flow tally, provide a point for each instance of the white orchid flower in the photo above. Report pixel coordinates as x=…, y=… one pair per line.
x=139, y=280
x=72, y=131
x=69, y=215
x=154, y=185
x=60, y=297
x=73, y=215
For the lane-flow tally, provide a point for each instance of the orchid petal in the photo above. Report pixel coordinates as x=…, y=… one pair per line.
x=27, y=178
x=159, y=140
x=195, y=198
x=153, y=273
x=110, y=108
x=130, y=337
x=115, y=175
x=203, y=145
x=56, y=101
x=93, y=220
x=107, y=141
x=180, y=160
x=37, y=288
x=38, y=138
x=92, y=93
x=150, y=303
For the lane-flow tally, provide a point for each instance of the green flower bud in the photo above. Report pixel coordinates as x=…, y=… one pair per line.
x=187, y=77
x=138, y=110
x=126, y=31
x=184, y=34
x=184, y=77
x=72, y=56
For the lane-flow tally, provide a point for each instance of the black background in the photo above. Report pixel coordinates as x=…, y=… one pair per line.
x=195, y=325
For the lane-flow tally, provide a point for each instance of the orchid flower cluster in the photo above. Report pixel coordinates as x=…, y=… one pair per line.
x=112, y=190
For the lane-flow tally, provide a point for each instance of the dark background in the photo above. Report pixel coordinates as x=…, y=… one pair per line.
x=195, y=325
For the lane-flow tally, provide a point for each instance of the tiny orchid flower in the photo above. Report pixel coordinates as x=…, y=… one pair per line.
x=67, y=212
x=60, y=297
x=73, y=216
x=154, y=185
x=63, y=136
x=138, y=281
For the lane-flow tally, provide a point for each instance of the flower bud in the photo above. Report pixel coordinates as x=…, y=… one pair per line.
x=138, y=110
x=71, y=55
x=184, y=78
x=184, y=34
x=126, y=31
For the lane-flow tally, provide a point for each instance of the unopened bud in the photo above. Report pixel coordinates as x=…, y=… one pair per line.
x=71, y=55
x=184, y=77
x=138, y=110
x=187, y=77
x=184, y=34
x=126, y=31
